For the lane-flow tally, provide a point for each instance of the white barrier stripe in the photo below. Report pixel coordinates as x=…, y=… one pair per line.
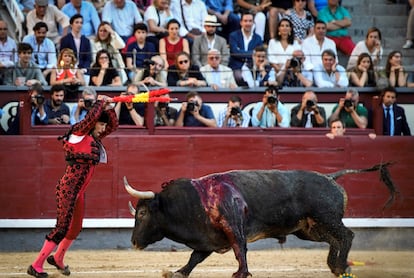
x=129, y=223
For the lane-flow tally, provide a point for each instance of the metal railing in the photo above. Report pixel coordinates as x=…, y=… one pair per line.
x=16, y=16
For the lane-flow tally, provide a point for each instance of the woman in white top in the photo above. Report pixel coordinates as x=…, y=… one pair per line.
x=282, y=46
x=156, y=18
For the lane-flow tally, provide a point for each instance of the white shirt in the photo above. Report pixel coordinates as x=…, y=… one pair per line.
x=160, y=18
x=313, y=52
x=8, y=53
x=277, y=54
x=122, y=20
x=359, y=48
x=325, y=80
x=194, y=14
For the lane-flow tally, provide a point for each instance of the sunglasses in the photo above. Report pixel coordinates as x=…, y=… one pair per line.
x=183, y=62
x=214, y=57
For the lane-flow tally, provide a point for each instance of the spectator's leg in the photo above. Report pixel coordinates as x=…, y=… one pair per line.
x=410, y=30
x=260, y=24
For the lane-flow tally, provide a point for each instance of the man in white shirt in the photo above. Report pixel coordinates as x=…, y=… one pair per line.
x=330, y=74
x=191, y=15
x=216, y=75
x=8, y=51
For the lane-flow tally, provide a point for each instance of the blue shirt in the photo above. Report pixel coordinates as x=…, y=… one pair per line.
x=204, y=111
x=219, y=5
x=269, y=118
x=391, y=117
x=44, y=54
x=91, y=19
x=142, y=53
x=82, y=114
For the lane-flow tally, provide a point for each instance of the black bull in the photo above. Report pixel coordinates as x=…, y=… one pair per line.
x=226, y=210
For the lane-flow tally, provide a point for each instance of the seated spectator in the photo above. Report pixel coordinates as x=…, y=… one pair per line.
x=103, y=72
x=371, y=45
x=184, y=74
x=223, y=10
x=350, y=111
x=140, y=49
x=208, y=41
x=363, y=74
x=308, y=113
x=56, y=110
x=233, y=115
x=25, y=72
x=394, y=70
x=172, y=44
x=259, y=73
x=410, y=27
x=37, y=99
x=156, y=18
x=314, y=6
x=330, y=74
x=153, y=73
x=194, y=112
x=338, y=20
x=280, y=48
x=66, y=71
x=80, y=44
x=130, y=113
x=259, y=11
x=270, y=112
x=122, y=15
x=394, y=119
x=44, y=54
x=337, y=128
x=8, y=52
x=54, y=18
x=313, y=46
x=165, y=115
x=301, y=20
x=89, y=14
x=107, y=38
x=84, y=104
x=296, y=72
x=216, y=75
x=242, y=42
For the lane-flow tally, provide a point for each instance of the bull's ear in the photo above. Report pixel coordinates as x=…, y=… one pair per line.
x=131, y=208
x=136, y=193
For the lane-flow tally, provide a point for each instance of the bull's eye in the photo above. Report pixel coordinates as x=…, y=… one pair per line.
x=141, y=213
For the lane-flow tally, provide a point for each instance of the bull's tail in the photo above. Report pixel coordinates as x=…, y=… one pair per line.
x=385, y=177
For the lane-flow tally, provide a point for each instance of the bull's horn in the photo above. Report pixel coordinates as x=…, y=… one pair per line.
x=131, y=209
x=136, y=193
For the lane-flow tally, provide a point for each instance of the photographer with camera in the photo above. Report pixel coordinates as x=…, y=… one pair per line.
x=295, y=72
x=307, y=113
x=129, y=113
x=194, y=112
x=164, y=114
x=232, y=115
x=37, y=99
x=153, y=73
x=270, y=112
x=85, y=103
x=57, y=111
x=350, y=111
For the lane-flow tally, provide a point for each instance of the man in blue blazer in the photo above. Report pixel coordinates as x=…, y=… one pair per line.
x=241, y=50
x=394, y=119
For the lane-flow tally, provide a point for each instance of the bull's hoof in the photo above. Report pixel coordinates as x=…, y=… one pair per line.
x=169, y=274
x=242, y=275
x=340, y=272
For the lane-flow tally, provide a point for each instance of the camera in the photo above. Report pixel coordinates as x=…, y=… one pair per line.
x=295, y=62
x=191, y=105
x=162, y=105
x=88, y=103
x=309, y=103
x=348, y=103
x=235, y=111
x=148, y=62
x=271, y=99
x=40, y=99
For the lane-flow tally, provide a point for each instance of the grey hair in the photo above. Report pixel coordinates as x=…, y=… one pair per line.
x=89, y=91
x=353, y=91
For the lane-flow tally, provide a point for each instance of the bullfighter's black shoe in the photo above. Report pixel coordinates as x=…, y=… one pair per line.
x=33, y=272
x=65, y=271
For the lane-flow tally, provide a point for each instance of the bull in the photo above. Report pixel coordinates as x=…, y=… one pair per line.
x=226, y=210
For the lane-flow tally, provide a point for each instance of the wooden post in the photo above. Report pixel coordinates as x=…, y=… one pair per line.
x=377, y=115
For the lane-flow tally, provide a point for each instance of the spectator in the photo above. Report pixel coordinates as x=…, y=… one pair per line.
x=57, y=111
x=282, y=46
x=129, y=113
x=216, y=75
x=172, y=44
x=89, y=14
x=142, y=5
x=37, y=99
x=233, y=115
x=165, y=115
x=191, y=15
x=103, y=72
x=371, y=45
x=242, y=42
x=259, y=10
x=25, y=5
x=194, y=112
x=184, y=74
x=208, y=41
x=330, y=74
x=394, y=119
x=44, y=49
x=314, y=6
x=260, y=73
x=394, y=70
x=122, y=15
x=296, y=72
x=223, y=10
x=54, y=18
x=25, y=72
x=270, y=112
x=301, y=20
x=308, y=113
x=84, y=104
x=410, y=27
x=80, y=44
x=363, y=74
x=276, y=11
x=314, y=46
x=337, y=128
x=107, y=38
x=66, y=72
x=156, y=18
x=8, y=52
x=350, y=111
x=338, y=19
x=153, y=73
x=140, y=49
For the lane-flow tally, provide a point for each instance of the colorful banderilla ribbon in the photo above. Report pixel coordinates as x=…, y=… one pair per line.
x=151, y=96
